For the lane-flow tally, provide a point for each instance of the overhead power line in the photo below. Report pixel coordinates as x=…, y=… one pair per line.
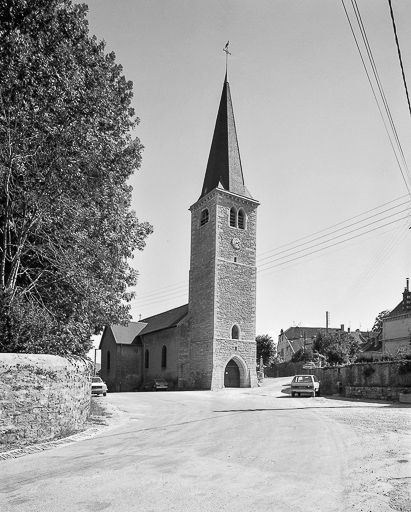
x=334, y=225
x=333, y=238
x=332, y=245
x=378, y=81
x=380, y=88
x=341, y=229
x=180, y=290
x=399, y=55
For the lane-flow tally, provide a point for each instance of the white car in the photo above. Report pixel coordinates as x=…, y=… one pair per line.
x=98, y=387
x=305, y=384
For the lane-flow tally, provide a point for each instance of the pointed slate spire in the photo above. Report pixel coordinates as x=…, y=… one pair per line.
x=224, y=163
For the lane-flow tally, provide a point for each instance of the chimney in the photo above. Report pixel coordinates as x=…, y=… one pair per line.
x=342, y=327
x=407, y=285
x=349, y=329
x=326, y=322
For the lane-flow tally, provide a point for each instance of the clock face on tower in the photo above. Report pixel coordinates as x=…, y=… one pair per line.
x=235, y=242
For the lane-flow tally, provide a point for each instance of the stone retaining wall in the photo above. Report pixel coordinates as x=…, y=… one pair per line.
x=42, y=397
x=379, y=380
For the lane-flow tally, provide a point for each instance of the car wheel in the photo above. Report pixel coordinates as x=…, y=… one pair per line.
x=299, y=394
x=318, y=392
x=104, y=394
x=293, y=394
x=313, y=392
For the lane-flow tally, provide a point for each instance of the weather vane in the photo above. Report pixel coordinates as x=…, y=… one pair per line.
x=227, y=53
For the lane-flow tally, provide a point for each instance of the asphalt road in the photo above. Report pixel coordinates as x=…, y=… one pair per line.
x=234, y=450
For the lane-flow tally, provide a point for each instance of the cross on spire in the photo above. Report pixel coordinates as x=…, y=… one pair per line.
x=227, y=53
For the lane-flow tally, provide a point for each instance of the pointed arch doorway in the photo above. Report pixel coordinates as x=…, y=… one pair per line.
x=232, y=375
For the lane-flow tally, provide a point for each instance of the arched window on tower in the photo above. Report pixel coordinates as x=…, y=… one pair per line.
x=146, y=359
x=241, y=219
x=164, y=357
x=204, y=217
x=233, y=215
x=235, y=332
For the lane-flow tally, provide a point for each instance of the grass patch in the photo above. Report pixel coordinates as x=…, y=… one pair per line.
x=98, y=412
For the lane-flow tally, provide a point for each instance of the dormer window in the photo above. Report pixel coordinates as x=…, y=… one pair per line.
x=241, y=219
x=204, y=217
x=233, y=215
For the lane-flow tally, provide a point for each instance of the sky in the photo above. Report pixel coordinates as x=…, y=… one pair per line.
x=313, y=146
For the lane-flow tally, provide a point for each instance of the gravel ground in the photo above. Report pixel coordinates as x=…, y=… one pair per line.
x=380, y=472
x=233, y=450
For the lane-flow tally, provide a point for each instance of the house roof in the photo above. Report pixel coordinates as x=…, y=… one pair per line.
x=294, y=333
x=125, y=334
x=404, y=306
x=165, y=320
x=224, y=164
x=373, y=344
x=400, y=309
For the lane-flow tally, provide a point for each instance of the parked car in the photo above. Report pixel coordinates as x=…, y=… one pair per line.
x=98, y=387
x=160, y=384
x=305, y=384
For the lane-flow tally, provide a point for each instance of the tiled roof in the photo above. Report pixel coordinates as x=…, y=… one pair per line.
x=125, y=334
x=294, y=333
x=398, y=310
x=374, y=344
x=164, y=320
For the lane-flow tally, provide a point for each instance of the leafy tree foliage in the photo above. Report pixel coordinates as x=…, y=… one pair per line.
x=339, y=348
x=66, y=153
x=302, y=355
x=265, y=348
x=377, y=327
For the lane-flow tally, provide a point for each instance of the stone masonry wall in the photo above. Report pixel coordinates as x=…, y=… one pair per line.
x=379, y=380
x=244, y=354
x=42, y=397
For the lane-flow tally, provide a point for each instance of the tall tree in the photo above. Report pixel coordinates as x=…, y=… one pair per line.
x=265, y=348
x=339, y=348
x=66, y=152
x=377, y=327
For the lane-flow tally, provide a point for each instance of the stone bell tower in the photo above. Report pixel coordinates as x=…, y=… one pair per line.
x=221, y=351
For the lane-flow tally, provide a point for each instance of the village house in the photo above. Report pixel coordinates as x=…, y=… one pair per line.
x=296, y=338
x=396, y=327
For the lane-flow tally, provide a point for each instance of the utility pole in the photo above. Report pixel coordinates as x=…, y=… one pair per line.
x=326, y=322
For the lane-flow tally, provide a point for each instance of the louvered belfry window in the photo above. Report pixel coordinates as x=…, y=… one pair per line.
x=204, y=217
x=241, y=219
x=232, y=217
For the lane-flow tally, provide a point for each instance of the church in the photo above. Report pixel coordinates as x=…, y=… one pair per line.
x=208, y=343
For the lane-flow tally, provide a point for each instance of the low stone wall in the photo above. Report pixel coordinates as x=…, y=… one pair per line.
x=378, y=380
x=284, y=369
x=42, y=397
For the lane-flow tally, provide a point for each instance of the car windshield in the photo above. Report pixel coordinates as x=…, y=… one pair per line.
x=96, y=379
x=302, y=378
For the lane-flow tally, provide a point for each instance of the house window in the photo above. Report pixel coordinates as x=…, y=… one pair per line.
x=108, y=360
x=233, y=215
x=241, y=219
x=204, y=217
x=164, y=357
x=235, y=332
x=146, y=359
